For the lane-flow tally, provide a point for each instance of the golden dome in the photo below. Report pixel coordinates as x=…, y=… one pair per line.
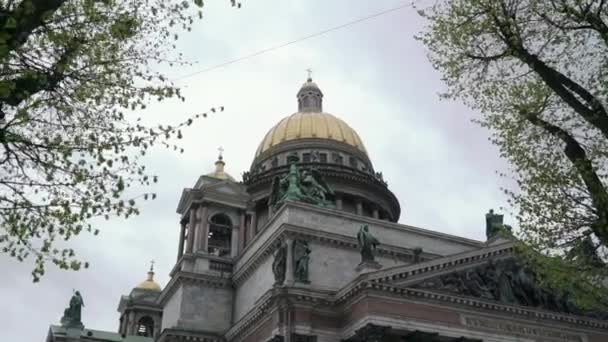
x=304, y=125
x=149, y=284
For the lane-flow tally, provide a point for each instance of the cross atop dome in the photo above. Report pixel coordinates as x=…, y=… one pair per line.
x=221, y=152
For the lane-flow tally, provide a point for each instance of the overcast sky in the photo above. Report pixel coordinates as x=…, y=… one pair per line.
x=374, y=76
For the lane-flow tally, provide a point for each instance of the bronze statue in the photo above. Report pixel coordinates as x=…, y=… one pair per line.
x=301, y=256
x=494, y=225
x=506, y=281
x=367, y=244
x=307, y=186
x=314, y=186
x=279, y=265
x=72, y=315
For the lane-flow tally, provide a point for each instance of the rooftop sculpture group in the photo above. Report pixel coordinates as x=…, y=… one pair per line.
x=300, y=186
x=506, y=281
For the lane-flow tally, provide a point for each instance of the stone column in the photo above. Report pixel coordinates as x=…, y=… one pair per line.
x=339, y=202
x=376, y=213
x=182, y=233
x=234, y=242
x=242, y=232
x=191, y=231
x=359, y=207
x=121, y=325
x=254, y=223
x=203, y=230
x=157, y=327
x=289, y=280
x=132, y=324
x=251, y=228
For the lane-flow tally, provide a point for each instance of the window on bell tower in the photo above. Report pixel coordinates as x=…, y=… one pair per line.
x=145, y=326
x=220, y=235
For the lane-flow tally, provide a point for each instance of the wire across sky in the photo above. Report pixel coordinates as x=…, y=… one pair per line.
x=297, y=40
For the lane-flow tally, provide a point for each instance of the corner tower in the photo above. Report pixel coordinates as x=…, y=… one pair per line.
x=140, y=314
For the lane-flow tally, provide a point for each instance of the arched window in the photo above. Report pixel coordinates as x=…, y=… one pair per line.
x=145, y=327
x=220, y=235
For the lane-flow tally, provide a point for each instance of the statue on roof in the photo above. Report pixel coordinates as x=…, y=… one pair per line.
x=306, y=186
x=72, y=315
x=494, y=225
x=315, y=187
x=367, y=244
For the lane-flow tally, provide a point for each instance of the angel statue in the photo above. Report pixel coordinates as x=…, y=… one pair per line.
x=288, y=187
x=367, y=244
x=315, y=187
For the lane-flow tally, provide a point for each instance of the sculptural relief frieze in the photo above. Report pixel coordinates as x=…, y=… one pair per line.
x=505, y=281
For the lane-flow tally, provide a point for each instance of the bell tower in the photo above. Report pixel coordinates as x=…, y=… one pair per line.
x=199, y=296
x=140, y=315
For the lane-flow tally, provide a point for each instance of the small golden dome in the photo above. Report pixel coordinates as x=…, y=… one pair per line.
x=310, y=125
x=149, y=284
x=219, y=172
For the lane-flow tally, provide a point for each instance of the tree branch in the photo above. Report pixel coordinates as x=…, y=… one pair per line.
x=31, y=83
x=577, y=155
x=28, y=16
x=567, y=89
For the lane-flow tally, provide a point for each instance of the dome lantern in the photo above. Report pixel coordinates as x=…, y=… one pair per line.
x=219, y=172
x=310, y=97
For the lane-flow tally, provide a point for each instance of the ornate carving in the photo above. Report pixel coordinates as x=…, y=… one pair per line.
x=506, y=281
x=494, y=225
x=73, y=314
x=279, y=265
x=301, y=256
x=367, y=244
x=303, y=186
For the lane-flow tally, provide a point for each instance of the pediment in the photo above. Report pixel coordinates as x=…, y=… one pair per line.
x=506, y=281
x=492, y=274
x=225, y=188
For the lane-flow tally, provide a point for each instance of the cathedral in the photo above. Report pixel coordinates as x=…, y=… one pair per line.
x=307, y=248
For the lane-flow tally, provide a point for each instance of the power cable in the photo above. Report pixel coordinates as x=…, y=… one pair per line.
x=313, y=35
